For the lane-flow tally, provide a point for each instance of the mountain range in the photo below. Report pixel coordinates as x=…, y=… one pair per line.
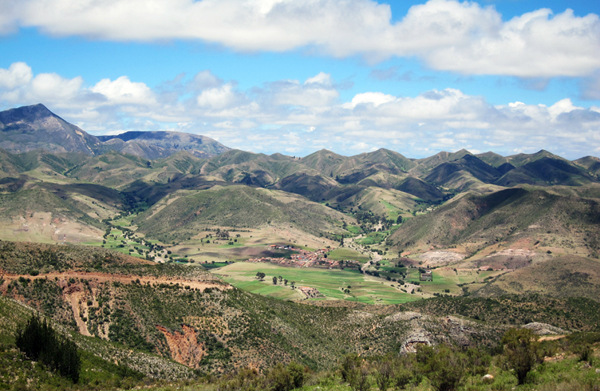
x=154, y=243
x=35, y=127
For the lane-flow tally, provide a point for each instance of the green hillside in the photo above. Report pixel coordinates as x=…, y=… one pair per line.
x=507, y=215
x=546, y=171
x=187, y=212
x=183, y=313
x=563, y=276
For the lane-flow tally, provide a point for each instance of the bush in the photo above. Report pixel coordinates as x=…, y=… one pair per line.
x=585, y=352
x=444, y=367
x=384, y=375
x=282, y=378
x=521, y=351
x=349, y=367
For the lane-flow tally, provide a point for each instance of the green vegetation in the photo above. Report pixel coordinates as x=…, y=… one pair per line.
x=262, y=332
x=567, y=313
x=38, y=340
x=340, y=254
x=332, y=284
x=372, y=238
x=251, y=208
x=432, y=368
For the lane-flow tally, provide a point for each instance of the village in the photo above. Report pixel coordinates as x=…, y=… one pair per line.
x=304, y=258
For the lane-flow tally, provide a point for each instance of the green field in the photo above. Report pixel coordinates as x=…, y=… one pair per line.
x=340, y=254
x=447, y=279
x=354, y=229
x=372, y=238
x=330, y=283
x=393, y=211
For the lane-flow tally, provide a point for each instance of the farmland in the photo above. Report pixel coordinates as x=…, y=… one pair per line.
x=332, y=284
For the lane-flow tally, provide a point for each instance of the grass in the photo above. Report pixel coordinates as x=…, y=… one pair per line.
x=340, y=254
x=372, y=238
x=354, y=229
x=213, y=265
x=330, y=283
x=393, y=212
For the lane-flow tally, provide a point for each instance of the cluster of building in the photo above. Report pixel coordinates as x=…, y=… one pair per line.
x=427, y=276
x=309, y=292
x=305, y=258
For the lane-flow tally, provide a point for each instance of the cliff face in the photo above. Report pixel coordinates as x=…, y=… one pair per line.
x=184, y=347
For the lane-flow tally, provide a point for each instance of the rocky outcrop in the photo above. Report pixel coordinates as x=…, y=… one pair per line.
x=427, y=330
x=544, y=329
x=184, y=346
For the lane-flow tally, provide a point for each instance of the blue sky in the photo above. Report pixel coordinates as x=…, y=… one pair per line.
x=296, y=76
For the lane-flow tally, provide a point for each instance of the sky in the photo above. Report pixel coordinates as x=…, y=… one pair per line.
x=297, y=76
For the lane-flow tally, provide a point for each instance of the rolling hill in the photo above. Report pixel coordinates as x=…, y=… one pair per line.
x=185, y=213
x=506, y=216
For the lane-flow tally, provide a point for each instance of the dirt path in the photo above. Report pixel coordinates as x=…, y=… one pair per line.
x=125, y=279
x=375, y=257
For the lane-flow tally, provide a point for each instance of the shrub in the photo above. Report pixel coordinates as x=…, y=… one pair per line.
x=444, y=367
x=383, y=375
x=520, y=351
x=349, y=367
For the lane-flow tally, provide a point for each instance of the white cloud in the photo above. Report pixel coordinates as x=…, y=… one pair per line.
x=8, y=16
x=373, y=98
x=124, y=91
x=321, y=78
x=317, y=91
x=304, y=115
x=449, y=35
x=561, y=107
x=532, y=45
x=205, y=79
x=16, y=75
x=50, y=86
x=218, y=98
x=17, y=84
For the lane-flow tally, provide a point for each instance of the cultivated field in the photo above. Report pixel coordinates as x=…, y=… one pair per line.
x=330, y=283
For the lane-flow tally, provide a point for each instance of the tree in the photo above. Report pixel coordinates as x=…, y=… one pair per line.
x=444, y=366
x=260, y=276
x=38, y=340
x=521, y=351
x=274, y=280
x=399, y=220
x=383, y=375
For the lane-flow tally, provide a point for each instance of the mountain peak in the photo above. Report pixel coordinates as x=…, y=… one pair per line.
x=29, y=113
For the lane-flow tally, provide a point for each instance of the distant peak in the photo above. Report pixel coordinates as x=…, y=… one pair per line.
x=28, y=113
x=38, y=109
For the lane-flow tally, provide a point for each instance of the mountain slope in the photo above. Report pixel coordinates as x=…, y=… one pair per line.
x=591, y=164
x=420, y=189
x=30, y=128
x=563, y=276
x=186, y=212
x=160, y=144
x=35, y=127
x=506, y=216
x=546, y=171
x=183, y=313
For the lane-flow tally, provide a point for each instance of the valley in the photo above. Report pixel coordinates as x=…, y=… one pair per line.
x=171, y=256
